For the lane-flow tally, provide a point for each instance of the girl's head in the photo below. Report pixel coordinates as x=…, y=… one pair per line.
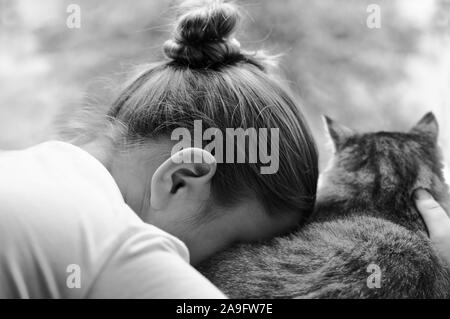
x=208, y=77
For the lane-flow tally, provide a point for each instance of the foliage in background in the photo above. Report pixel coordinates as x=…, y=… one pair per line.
x=369, y=79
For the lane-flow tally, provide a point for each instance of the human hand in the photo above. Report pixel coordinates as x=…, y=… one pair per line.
x=436, y=220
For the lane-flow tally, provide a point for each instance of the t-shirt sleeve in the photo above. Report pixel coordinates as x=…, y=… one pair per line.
x=150, y=268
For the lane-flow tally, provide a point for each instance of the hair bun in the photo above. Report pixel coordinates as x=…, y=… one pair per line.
x=204, y=34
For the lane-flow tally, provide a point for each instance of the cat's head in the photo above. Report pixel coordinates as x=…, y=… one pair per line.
x=382, y=169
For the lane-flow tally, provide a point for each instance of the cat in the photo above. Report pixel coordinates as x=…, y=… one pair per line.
x=365, y=238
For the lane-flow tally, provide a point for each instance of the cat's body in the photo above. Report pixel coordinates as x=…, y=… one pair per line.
x=365, y=238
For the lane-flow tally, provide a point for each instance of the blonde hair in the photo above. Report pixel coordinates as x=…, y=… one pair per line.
x=207, y=77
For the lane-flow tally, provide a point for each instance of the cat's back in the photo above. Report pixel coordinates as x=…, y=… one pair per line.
x=334, y=259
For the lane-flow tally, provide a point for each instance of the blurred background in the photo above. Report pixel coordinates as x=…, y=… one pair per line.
x=370, y=79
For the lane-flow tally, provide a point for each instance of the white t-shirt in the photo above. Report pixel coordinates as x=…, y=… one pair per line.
x=66, y=232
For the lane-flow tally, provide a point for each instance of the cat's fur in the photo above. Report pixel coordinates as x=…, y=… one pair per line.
x=364, y=218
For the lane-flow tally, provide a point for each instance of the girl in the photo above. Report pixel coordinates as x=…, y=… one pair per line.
x=116, y=214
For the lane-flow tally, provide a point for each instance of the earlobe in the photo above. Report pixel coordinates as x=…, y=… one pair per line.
x=428, y=125
x=339, y=134
x=187, y=174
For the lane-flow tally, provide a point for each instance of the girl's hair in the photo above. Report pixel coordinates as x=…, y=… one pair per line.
x=207, y=77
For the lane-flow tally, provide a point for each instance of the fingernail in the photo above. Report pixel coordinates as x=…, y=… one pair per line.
x=421, y=194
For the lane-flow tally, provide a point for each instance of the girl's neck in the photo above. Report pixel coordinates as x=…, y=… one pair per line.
x=102, y=150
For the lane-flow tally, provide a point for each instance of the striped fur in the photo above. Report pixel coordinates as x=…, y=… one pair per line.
x=364, y=216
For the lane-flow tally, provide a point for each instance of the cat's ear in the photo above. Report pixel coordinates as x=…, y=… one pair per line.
x=339, y=133
x=428, y=125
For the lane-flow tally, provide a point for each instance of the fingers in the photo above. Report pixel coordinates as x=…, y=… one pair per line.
x=435, y=218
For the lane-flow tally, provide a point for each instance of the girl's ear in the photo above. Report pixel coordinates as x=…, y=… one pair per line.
x=184, y=178
x=339, y=134
x=428, y=125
